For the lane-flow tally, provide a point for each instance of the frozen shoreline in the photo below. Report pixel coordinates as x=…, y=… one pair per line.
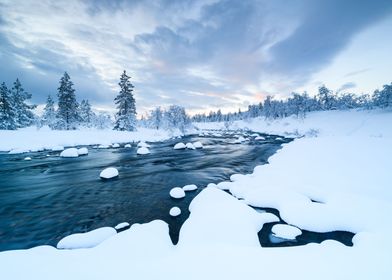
x=346, y=168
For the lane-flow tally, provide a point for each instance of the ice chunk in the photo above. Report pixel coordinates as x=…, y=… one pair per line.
x=190, y=146
x=143, y=144
x=175, y=211
x=115, y=145
x=286, y=231
x=108, y=173
x=121, y=225
x=198, y=145
x=70, y=152
x=143, y=151
x=189, y=187
x=27, y=158
x=82, y=151
x=86, y=240
x=177, y=193
x=179, y=146
x=58, y=148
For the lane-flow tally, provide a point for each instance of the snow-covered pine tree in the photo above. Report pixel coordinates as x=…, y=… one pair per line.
x=49, y=114
x=24, y=115
x=7, y=112
x=67, y=113
x=126, y=115
x=383, y=98
x=156, y=118
x=86, y=114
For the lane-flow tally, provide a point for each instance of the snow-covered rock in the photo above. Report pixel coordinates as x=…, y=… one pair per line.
x=121, y=225
x=177, y=193
x=86, y=240
x=191, y=187
x=240, y=140
x=82, y=151
x=286, y=231
x=103, y=146
x=18, y=151
x=278, y=138
x=70, y=152
x=57, y=148
x=179, y=146
x=143, y=151
x=128, y=146
x=109, y=173
x=259, y=138
x=115, y=145
x=198, y=145
x=27, y=158
x=175, y=211
x=190, y=146
x=143, y=144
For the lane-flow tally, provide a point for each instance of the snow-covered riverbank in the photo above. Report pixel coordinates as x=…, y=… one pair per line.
x=33, y=139
x=339, y=180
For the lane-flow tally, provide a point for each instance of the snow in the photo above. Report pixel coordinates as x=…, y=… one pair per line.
x=82, y=151
x=286, y=231
x=191, y=187
x=109, y=173
x=31, y=138
x=143, y=144
x=86, y=240
x=240, y=140
x=103, y=146
x=69, y=153
x=128, y=146
x=18, y=151
x=57, y=148
x=177, y=192
x=343, y=162
x=198, y=145
x=121, y=225
x=190, y=146
x=27, y=158
x=179, y=146
x=175, y=211
x=259, y=138
x=143, y=151
x=115, y=145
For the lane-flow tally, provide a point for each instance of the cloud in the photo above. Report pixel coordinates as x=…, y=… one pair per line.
x=198, y=54
x=347, y=86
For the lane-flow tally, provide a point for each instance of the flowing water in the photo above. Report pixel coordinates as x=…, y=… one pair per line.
x=49, y=197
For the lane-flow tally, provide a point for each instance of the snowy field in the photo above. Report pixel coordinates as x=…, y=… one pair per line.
x=337, y=177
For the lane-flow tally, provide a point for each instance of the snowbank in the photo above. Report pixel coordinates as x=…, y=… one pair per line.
x=27, y=139
x=86, y=240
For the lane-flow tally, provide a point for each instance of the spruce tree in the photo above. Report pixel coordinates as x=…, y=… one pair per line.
x=86, y=114
x=7, y=112
x=67, y=113
x=126, y=115
x=24, y=115
x=49, y=115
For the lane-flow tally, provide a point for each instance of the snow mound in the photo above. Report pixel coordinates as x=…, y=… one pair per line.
x=18, y=151
x=189, y=187
x=86, y=240
x=239, y=140
x=70, y=152
x=198, y=145
x=254, y=135
x=82, y=151
x=143, y=144
x=103, y=146
x=27, y=158
x=143, y=151
x=175, y=211
x=190, y=146
x=115, y=145
x=121, y=225
x=128, y=146
x=286, y=231
x=108, y=173
x=259, y=138
x=58, y=148
x=177, y=193
x=179, y=146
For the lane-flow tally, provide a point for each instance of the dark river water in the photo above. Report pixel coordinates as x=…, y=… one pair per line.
x=49, y=197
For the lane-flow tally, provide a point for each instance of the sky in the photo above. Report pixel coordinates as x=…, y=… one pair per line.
x=202, y=55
